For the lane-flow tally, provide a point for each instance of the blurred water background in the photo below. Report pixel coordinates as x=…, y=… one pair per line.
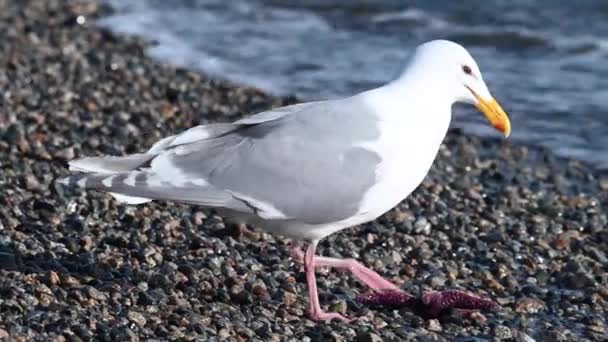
x=546, y=61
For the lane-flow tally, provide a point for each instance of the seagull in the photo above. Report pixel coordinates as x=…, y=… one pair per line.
x=309, y=170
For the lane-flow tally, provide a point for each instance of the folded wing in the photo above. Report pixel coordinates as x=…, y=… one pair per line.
x=300, y=162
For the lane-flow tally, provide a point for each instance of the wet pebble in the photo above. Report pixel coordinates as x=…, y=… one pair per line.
x=529, y=305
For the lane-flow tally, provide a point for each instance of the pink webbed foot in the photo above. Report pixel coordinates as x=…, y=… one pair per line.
x=328, y=316
x=314, y=308
x=430, y=305
x=384, y=293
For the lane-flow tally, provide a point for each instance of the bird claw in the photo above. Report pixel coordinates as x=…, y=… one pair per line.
x=330, y=316
x=430, y=305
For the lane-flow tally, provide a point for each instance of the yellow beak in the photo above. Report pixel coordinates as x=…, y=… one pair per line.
x=494, y=113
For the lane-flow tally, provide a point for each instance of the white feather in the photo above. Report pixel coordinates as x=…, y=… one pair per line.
x=129, y=199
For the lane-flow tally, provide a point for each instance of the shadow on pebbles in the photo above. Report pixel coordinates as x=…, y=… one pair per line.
x=510, y=222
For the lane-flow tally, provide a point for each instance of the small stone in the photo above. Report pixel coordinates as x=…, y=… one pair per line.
x=495, y=285
x=502, y=332
x=137, y=318
x=433, y=325
x=69, y=281
x=95, y=294
x=525, y=337
x=478, y=317
x=597, y=254
x=397, y=258
x=224, y=333
x=65, y=154
x=339, y=307
x=43, y=289
x=86, y=242
x=288, y=298
x=597, y=329
x=438, y=282
x=198, y=218
x=31, y=183
x=409, y=270
x=172, y=225
x=53, y=278
x=562, y=241
x=422, y=226
x=368, y=337
x=260, y=291
x=168, y=110
x=45, y=300
x=604, y=292
x=336, y=337
x=529, y=305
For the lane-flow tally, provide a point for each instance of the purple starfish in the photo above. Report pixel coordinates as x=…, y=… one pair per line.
x=384, y=293
x=430, y=305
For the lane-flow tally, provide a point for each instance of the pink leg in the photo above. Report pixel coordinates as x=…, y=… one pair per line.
x=365, y=275
x=315, y=311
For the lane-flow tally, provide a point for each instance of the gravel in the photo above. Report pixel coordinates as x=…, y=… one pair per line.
x=506, y=221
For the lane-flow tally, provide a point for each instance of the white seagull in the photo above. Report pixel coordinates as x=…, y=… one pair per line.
x=308, y=170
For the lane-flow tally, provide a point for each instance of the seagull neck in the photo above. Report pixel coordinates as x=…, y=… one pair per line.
x=412, y=89
x=415, y=98
x=425, y=86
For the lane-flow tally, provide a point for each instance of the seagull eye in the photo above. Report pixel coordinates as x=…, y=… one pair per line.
x=466, y=69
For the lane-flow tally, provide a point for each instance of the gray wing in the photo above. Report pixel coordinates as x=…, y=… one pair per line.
x=302, y=162
x=206, y=132
x=306, y=166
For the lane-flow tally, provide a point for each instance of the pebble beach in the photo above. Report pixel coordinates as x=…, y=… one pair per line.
x=501, y=220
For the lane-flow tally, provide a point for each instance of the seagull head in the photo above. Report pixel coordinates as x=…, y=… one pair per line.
x=461, y=79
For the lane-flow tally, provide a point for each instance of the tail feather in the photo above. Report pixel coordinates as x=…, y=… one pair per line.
x=102, y=181
x=130, y=199
x=136, y=179
x=109, y=164
x=138, y=186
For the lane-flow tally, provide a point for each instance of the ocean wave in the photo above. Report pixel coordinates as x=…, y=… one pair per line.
x=578, y=45
x=509, y=37
x=518, y=38
x=411, y=15
x=502, y=36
